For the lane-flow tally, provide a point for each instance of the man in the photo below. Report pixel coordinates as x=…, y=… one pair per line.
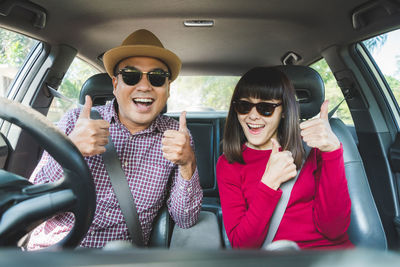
x=151, y=147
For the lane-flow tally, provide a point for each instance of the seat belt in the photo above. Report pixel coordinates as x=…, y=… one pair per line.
x=286, y=191
x=282, y=204
x=118, y=180
x=121, y=188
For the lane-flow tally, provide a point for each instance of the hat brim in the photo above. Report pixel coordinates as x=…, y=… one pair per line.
x=115, y=55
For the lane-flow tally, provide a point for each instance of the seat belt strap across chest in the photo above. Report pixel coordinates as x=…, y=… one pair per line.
x=121, y=188
x=282, y=204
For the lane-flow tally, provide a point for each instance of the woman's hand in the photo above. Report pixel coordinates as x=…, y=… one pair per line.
x=318, y=133
x=280, y=167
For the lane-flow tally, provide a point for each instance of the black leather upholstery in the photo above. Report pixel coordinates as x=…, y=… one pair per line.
x=309, y=88
x=99, y=87
x=206, y=135
x=366, y=228
x=162, y=229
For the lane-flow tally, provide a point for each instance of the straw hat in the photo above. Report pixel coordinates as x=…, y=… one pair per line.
x=142, y=43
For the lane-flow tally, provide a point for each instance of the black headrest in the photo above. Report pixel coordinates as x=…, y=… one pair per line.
x=99, y=87
x=309, y=88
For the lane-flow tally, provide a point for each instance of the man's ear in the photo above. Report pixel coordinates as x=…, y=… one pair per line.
x=115, y=83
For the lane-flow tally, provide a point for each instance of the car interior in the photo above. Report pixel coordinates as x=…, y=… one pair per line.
x=219, y=38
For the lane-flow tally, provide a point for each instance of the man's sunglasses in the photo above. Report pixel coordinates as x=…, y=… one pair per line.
x=132, y=76
x=263, y=108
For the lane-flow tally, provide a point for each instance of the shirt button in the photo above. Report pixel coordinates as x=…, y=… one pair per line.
x=107, y=214
x=125, y=163
x=92, y=233
x=189, y=189
x=186, y=210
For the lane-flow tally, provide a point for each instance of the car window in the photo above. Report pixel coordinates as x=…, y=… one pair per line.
x=385, y=50
x=14, y=49
x=333, y=92
x=70, y=87
x=201, y=93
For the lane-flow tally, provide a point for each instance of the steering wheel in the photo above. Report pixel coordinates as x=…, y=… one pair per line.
x=23, y=205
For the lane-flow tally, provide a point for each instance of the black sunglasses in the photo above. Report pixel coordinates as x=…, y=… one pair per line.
x=263, y=108
x=132, y=76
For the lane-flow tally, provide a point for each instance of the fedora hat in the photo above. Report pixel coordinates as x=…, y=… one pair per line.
x=142, y=43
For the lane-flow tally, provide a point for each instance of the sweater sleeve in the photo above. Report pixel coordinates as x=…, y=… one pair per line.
x=246, y=224
x=332, y=206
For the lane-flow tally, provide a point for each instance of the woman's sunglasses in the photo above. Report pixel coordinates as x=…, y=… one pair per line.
x=263, y=108
x=132, y=76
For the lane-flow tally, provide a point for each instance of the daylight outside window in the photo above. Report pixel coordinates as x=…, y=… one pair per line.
x=201, y=93
x=14, y=48
x=70, y=87
x=333, y=92
x=385, y=49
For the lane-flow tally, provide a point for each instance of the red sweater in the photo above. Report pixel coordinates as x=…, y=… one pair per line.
x=318, y=211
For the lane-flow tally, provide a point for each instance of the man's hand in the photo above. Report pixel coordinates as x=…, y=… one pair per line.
x=90, y=136
x=176, y=148
x=280, y=167
x=318, y=133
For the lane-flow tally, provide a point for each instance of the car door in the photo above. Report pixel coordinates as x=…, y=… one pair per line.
x=382, y=55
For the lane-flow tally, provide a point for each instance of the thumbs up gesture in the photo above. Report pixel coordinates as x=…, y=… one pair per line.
x=176, y=148
x=280, y=167
x=318, y=133
x=90, y=136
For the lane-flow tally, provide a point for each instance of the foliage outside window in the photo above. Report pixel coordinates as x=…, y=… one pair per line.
x=71, y=85
x=385, y=49
x=333, y=92
x=14, y=48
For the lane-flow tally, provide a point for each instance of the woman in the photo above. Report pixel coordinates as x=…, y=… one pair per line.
x=262, y=150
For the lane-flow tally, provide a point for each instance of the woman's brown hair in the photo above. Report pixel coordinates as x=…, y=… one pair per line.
x=265, y=83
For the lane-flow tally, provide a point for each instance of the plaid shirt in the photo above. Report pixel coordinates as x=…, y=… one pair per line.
x=148, y=175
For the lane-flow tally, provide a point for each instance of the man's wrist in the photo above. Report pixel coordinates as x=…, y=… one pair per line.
x=187, y=170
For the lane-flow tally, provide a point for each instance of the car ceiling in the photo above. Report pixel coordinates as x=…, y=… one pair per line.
x=245, y=33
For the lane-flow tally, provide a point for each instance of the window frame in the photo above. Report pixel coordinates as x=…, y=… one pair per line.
x=24, y=77
x=380, y=82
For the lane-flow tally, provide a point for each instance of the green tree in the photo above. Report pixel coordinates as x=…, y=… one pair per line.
x=332, y=91
x=394, y=84
x=376, y=42
x=201, y=93
x=77, y=74
x=14, y=47
x=321, y=66
x=218, y=91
